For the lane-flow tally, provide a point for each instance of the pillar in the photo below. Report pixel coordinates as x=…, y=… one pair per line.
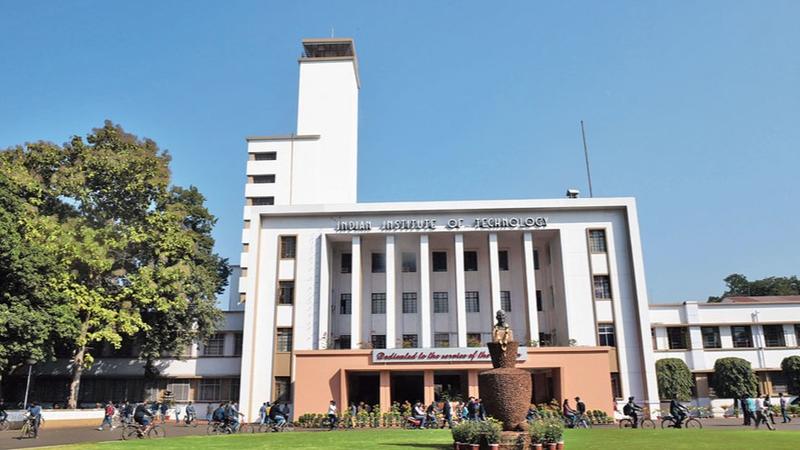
x=428, y=393
x=323, y=335
x=494, y=276
x=355, y=293
x=391, y=295
x=472, y=383
x=385, y=391
x=530, y=286
x=424, y=292
x=461, y=303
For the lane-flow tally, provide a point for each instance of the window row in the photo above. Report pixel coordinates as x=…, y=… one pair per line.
x=441, y=302
x=215, y=345
x=408, y=261
x=741, y=336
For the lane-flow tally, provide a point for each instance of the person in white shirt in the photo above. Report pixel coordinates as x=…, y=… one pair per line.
x=761, y=414
x=332, y=415
x=784, y=405
x=419, y=414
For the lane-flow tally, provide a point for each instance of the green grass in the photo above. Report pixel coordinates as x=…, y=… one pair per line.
x=602, y=438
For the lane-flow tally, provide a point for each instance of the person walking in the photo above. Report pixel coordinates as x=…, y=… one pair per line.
x=481, y=409
x=190, y=413
x=752, y=410
x=35, y=412
x=3, y=413
x=164, y=409
x=447, y=412
x=761, y=415
x=784, y=403
x=210, y=412
x=332, y=415
x=177, y=414
x=108, y=416
x=746, y=412
x=262, y=413
x=768, y=409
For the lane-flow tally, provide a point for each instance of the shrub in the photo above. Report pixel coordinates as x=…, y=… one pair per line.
x=536, y=431
x=791, y=370
x=466, y=432
x=674, y=379
x=553, y=430
x=490, y=430
x=733, y=377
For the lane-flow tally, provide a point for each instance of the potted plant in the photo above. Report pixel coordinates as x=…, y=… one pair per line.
x=536, y=432
x=553, y=432
x=489, y=432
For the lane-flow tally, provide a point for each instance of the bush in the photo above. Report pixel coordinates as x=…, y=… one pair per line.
x=674, y=379
x=490, y=430
x=791, y=370
x=733, y=377
x=466, y=432
x=554, y=430
x=537, y=431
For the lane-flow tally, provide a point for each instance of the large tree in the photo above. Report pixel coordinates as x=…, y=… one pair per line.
x=674, y=379
x=136, y=253
x=791, y=370
x=738, y=285
x=734, y=377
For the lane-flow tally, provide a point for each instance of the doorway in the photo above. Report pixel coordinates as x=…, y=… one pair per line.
x=363, y=387
x=407, y=386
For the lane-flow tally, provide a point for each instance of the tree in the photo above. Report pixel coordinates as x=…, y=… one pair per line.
x=738, y=285
x=791, y=370
x=136, y=255
x=733, y=377
x=674, y=379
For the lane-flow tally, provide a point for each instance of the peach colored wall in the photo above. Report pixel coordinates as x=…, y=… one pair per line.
x=320, y=375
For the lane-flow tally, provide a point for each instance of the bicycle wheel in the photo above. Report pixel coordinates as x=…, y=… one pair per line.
x=26, y=429
x=667, y=423
x=288, y=427
x=212, y=429
x=585, y=424
x=625, y=423
x=648, y=424
x=156, y=432
x=4, y=425
x=693, y=423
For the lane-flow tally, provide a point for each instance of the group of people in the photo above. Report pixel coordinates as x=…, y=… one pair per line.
x=275, y=413
x=758, y=410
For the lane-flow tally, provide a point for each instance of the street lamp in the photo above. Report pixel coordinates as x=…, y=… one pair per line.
x=30, y=362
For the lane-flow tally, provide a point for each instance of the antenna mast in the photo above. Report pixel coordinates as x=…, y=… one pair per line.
x=586, y=157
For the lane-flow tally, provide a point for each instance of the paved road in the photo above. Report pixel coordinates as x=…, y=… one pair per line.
x=9, y=439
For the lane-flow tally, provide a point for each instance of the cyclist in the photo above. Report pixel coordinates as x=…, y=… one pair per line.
x=142, y=416
x=632, y=410
x=35, y=416
x=569, y=413
x=218, y=416
x=419, y=414
x=276, y=415
x=678, y=412
x=581, y=409
x=430, y=413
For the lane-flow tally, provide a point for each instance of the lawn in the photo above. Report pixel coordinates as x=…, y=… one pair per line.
x=604, y=438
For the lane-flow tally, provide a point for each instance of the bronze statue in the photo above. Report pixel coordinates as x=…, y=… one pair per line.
x=501, y=332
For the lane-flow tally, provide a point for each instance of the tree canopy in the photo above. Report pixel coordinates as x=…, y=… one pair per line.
x=734, y=377
x=134, y=254
x=791, y=370
x=738, y=285
x=674, y=379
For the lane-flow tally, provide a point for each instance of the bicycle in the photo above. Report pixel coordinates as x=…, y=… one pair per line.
x=28, y=429
x=132, y=430
x=691, y=422
x=190, y=421
x=578, y=422
x=643, y=423
x=285, y=426
x=4, y=424
x=216, y=427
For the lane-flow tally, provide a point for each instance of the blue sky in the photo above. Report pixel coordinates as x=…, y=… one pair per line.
x=691, y=107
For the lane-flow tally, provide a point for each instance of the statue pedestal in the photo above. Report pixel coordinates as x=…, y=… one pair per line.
x=506, y=391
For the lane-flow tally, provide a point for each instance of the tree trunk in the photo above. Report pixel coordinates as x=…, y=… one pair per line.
x=77, y=368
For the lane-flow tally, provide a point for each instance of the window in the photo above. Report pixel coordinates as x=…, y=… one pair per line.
x=410, y=341
x=711, y=337
x=597, y=241
x=439, y=261
x=262, y=201
x=678, y=338
x=441, y=340
x=779, y=382
x=441, y=303
x=262, y=179
x=283, y=389
x=545, y=339
x=347, y=262
x=288, y=246
x=653, y=338
x=284, y=340
x=285, y=292
x=742, y=336
x=179, y=389
x=234, y=388
x=408, y=262
x=470, y=261
x=473, y=339
x=237, y=344
x=409, y=302
x=473, y=302
x=215, y=345
x=209, y=389
x=502, y=259
x=266, y=156
x=616, y=386
x=342, y=341
x=378, y=263
x=536, y=260
x=605, y=332
x=538, y=300
x=505, y=300
x=379, y=303
x=773, y=336
x=602, y=286
x=345, y=304
x=378, y=340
